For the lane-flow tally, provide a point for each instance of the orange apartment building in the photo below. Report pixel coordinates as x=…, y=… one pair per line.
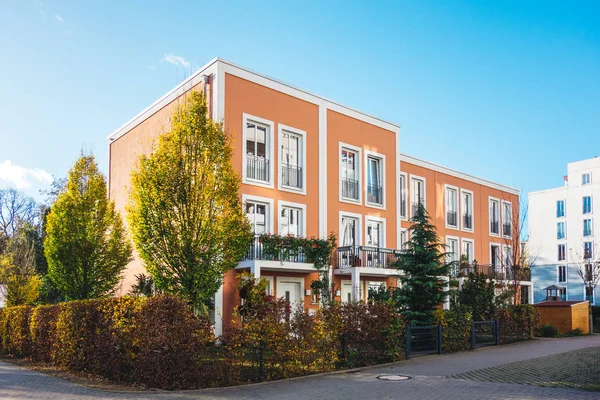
x=310, y=166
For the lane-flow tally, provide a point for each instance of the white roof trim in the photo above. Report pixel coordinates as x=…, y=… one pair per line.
x=457, y=174
x=195, y=78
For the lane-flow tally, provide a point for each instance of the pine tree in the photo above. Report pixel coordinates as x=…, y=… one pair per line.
x=423, y=265
x=185, y=210
x=86, y=244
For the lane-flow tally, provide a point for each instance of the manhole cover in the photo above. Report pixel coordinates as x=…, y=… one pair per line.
x=394, y=377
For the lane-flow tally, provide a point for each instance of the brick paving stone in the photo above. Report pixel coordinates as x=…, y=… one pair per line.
x=428, y=372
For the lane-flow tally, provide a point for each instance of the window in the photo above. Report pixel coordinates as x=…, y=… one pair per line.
x=468, y=250
x=375, y=231
x=349, y=240
x=404, y=239
x=374, y=180
x=349, y=231
x=560, y=230
x=506, y=219
x=508, y=256
x=258, y=147
x=292, y=159
x=350, y=174
x=495, y=256
x=451, y=207
x=403, y=196
x=588, y=250
x=257, y=214
x=417, y=193
x=587, y=204
x=587, y=227
x=494, y=217
x=586, y=178
x=562, y=252
x=562, y=273
x=560, y=208
x=467, y=210
x=452, y=249
x=290, y=221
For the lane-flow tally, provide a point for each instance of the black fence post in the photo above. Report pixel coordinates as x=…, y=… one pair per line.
x=408, y=342
x=473, y=335
x=439, y=338
x=496, y=333
x=343, y=343
x=261, y=361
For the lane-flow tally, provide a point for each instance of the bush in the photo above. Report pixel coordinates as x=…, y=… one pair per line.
x=14, y=331
x=549, y=331
x=517, y=323
x=574, y=332
x=42, y=328
x=456, y=328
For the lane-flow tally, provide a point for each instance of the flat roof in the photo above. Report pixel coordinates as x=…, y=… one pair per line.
x=455, y=173
x=165, y=99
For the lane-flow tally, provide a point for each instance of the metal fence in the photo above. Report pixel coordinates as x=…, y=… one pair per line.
x=484, y=333
x=423, y=340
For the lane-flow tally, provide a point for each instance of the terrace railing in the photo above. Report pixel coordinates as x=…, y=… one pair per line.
x=365, y=256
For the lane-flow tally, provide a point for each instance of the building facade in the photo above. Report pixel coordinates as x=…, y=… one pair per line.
x=562, y=232
x=310, y=166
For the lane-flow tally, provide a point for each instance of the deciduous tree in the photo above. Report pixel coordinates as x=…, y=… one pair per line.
x=185, y=210
x=86, y=244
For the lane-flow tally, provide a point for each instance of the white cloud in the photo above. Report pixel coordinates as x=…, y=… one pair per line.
x=176, y=60
x=21, y=177
x=59, y=18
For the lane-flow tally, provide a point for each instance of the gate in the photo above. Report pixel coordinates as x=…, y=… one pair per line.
x=423, y=340
x=484, y=333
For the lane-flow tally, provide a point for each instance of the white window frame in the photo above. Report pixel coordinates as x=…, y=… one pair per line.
x=371, y=218
x=288, y=204
x=402, y=232
x=447, y=188
x=591, y=235
x=564, y=208
x=558, y=274
x=458, y=245
x=359, y=218
x=470, y=192
x=291, y=279
x=301, y=156
x=589, y=174
x=269, y=211
x=502, y=219
x=564, y=230
x=490, y=200
x=424, y=181
x=499, y=246
x=358, y=168
x=591, y=205
x=557, y=258
x=593, y=250
x=404, y=194
x=271, y=280
x=381, y=158
x=472, y=241
x=269, y=143
x=504, y=254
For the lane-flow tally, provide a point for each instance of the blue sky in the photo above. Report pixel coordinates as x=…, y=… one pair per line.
x=508, y=91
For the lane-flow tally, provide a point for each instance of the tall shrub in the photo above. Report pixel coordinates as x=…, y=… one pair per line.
x=42, y=328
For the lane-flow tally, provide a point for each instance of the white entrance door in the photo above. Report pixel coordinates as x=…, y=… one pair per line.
x=289, y=291
x=346, y=291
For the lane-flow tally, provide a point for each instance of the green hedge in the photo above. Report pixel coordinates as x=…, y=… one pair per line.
x=456, y=329
x=517, y=323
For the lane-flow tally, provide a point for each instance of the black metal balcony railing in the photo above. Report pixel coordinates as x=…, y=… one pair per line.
x=507, y=229
x=495, y=271
x=291, y=176
x=374, y=194
x=350, y=189
x=365, y=256
x=494, y=227
x=256, y=251
x=451, y=218
x=257, y=168
x=467, y=221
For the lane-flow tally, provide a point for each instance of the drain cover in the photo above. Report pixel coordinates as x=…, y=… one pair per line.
x=394, y=377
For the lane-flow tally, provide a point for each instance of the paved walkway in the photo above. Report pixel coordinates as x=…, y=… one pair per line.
x=429, y=380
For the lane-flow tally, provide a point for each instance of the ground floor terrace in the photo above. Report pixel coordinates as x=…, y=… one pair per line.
x=540, y=369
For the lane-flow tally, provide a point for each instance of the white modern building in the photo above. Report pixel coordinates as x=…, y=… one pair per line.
x=563, y=231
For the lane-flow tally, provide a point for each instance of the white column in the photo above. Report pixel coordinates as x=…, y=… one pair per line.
x=219, y=311
x=446, y=288
x=356, y=283
x=255, y=269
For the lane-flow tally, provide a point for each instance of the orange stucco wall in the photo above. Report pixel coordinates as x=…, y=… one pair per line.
x=435, y=204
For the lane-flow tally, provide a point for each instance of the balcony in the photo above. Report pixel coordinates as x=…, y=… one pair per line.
x=365, y=256
x=507, y=229
x=374, y=194
x=497, y=272
x=350, y=189
x=467, y=221
x=494, y=227
x=257, y=168
x=451, y=218
x=291, y=176
x=284, y=253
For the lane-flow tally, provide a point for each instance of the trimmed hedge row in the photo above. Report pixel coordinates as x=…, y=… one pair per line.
x=517, y=323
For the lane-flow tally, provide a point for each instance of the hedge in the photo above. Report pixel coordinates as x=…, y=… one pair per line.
x=158, y=342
